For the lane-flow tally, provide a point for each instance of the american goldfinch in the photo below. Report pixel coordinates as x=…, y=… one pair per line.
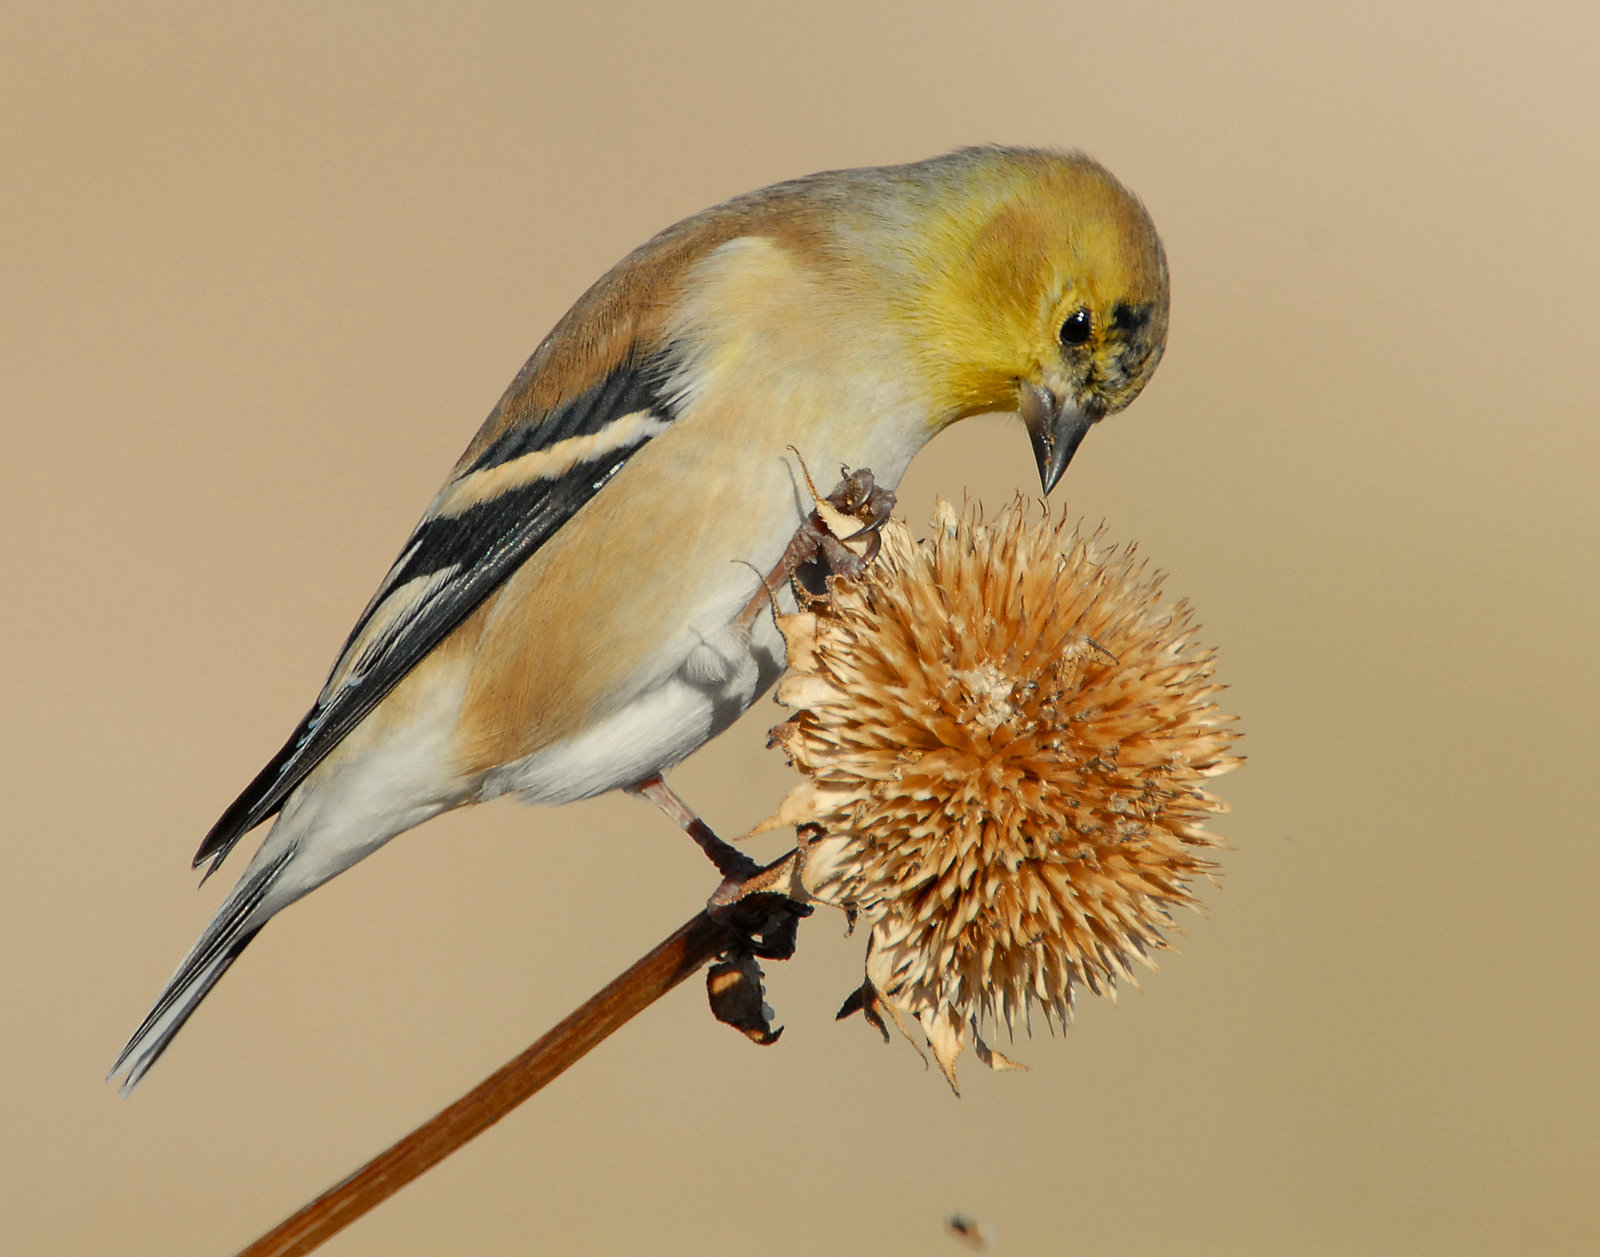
x=566, y=618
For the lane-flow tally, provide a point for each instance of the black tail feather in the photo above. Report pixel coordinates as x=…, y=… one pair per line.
x=218, y=948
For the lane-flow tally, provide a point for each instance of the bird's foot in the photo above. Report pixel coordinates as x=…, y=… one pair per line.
x=839, y=537
x=753, y=905
x=759, y=913
x=751, y=899
x=761, y=906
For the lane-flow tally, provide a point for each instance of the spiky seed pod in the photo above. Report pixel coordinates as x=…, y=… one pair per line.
x=1005, y=734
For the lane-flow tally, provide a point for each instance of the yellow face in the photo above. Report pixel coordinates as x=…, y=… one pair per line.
x=1105, y=326
x=1061, y=293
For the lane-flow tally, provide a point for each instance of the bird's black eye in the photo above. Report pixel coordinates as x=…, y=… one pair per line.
x=1077, y=327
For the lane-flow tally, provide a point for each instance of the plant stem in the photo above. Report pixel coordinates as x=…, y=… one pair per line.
x=692, y=945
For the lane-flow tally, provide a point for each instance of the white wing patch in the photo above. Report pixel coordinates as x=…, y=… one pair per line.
x=400, y=607
x=550, y=463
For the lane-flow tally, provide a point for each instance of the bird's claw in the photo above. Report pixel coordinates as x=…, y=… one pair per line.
x=759, y=908
x=825, y=544
x=763, y=921
x=823, y=547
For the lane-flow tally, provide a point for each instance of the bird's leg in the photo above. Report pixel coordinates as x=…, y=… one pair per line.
x=751, y=898
x=733, y=864
x=839, y=536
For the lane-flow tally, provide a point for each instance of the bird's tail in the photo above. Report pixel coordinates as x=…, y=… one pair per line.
x=236, y=923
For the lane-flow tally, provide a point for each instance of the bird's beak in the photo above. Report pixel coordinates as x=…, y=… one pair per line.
x=1056, y=429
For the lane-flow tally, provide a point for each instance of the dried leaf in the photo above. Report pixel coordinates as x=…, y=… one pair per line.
x=738, y=999
x=993, y=1059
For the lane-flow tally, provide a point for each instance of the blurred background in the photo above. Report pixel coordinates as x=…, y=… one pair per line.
x=263, y=269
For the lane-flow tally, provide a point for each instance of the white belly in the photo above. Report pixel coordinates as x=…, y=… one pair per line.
x=713, y=687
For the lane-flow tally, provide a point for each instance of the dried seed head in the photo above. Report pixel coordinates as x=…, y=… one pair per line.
x=1004, y=734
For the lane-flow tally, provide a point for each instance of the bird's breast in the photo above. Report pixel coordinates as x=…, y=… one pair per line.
x=623, y=643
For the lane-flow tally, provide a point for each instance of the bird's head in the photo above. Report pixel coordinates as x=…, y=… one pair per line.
x=1051, y=299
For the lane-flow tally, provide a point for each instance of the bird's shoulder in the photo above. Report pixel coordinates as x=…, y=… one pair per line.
x=629, y=315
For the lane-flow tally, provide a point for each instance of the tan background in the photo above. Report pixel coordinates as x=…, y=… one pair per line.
x=264, y=272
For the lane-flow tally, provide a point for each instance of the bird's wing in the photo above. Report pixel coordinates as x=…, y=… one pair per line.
x=498, y=509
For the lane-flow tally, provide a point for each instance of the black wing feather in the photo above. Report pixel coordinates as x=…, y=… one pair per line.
x=470, y=554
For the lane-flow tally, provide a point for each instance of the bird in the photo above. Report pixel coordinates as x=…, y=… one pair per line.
x=567, y=618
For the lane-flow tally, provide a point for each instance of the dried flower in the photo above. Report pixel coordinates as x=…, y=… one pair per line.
x=1004, y=734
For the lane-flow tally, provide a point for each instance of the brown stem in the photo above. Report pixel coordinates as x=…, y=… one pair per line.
x=690, y=946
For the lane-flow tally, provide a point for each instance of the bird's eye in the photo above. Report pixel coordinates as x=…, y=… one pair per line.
x=1077, y=327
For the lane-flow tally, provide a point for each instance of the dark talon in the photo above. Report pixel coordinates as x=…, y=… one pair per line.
x=815, y=552
x=768, y=924
x=756, y=907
